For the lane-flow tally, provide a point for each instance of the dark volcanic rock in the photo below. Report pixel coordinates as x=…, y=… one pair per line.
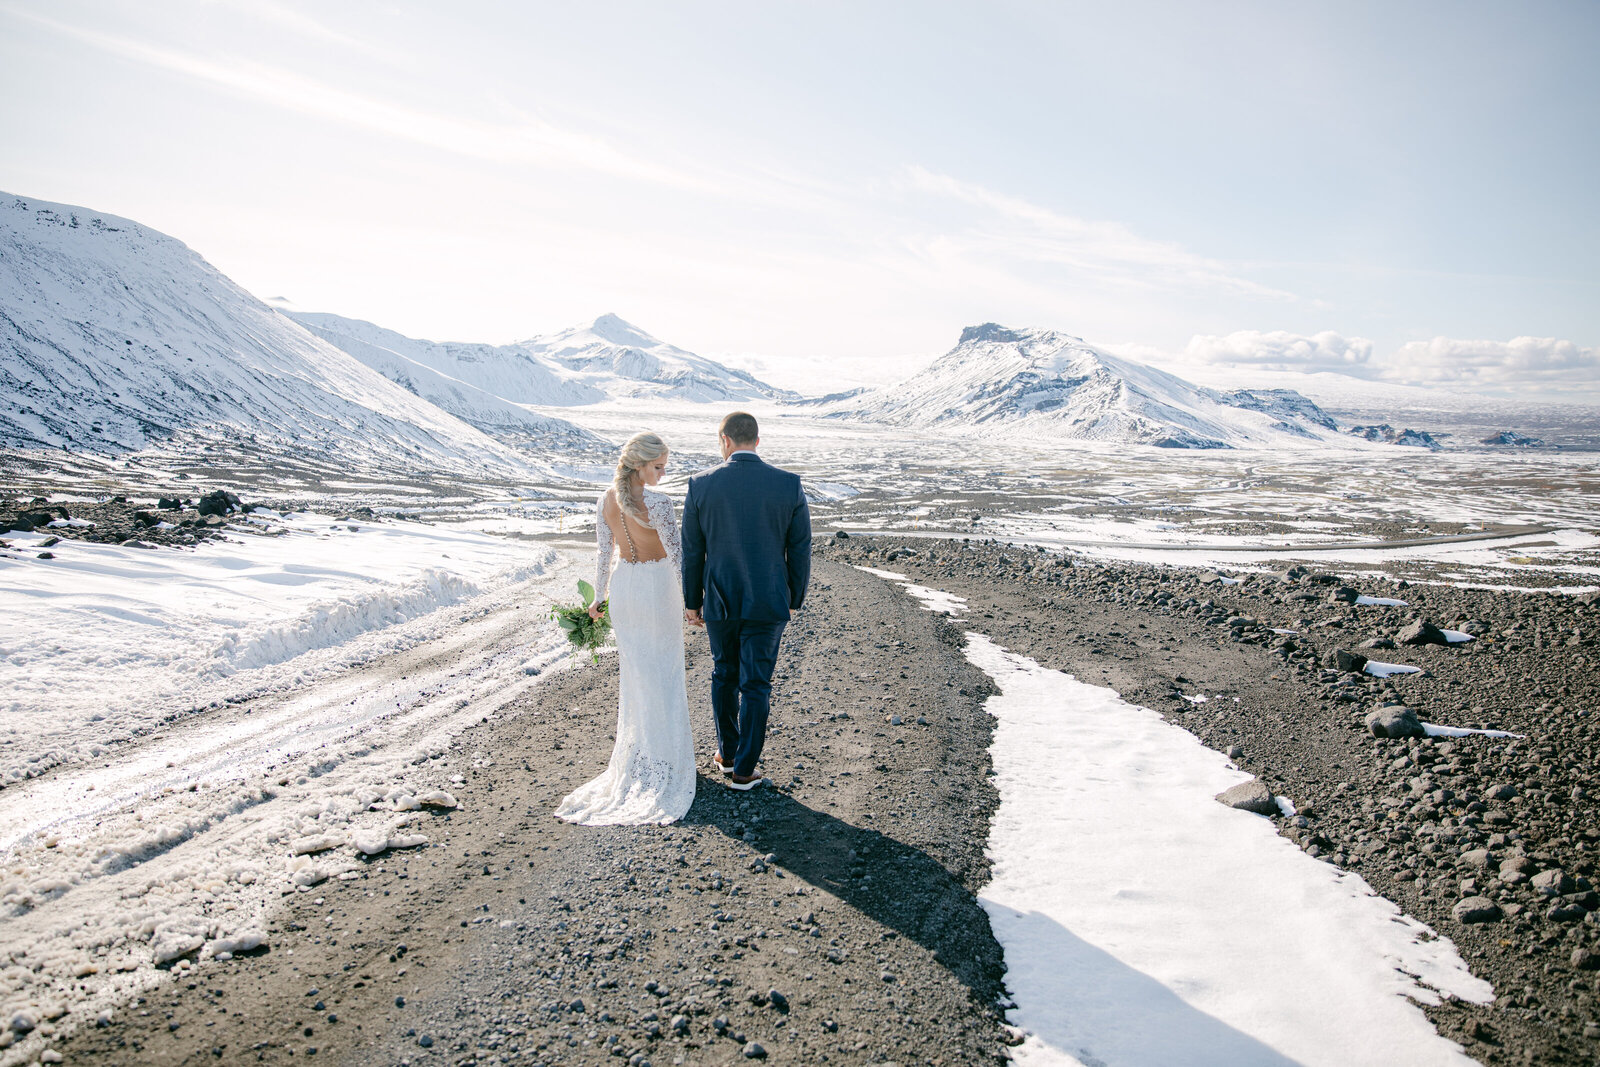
x=1421, y=632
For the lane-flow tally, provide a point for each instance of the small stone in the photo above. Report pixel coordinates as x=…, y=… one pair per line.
x=1394, y=721
x=754, y=1051
x=400, y=1002
x=1476, y=910
x=1503, y=791
x=680, y=1023
x=22, y=1023
x=1563, y=912
x=777, y=1000
x=576, y=1005
x=1235, y=752
x=1477, y=857
x=1585, y=960
x=1253, y=796
x=50, y=1055
x=425, y=1041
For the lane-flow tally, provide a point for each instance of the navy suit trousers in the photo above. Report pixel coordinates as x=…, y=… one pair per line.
x=743, y=654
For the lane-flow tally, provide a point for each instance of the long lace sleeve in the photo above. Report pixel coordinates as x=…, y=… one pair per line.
x=666, y=527
x=606, y=546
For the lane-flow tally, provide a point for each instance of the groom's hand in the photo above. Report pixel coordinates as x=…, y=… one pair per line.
x=692, y=617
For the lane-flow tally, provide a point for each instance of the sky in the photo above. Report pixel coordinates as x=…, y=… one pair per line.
x=827, y=193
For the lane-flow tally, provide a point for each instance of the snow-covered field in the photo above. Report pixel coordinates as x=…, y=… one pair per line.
x=227, y=724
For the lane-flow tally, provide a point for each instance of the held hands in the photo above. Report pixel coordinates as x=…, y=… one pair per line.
x=596, y=610
x=692, y=617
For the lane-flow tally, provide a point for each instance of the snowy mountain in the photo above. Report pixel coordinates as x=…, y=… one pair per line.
x=608, y=359
x=415, y=366
x=622, y=360
x=1054, y=383
x=114, y=337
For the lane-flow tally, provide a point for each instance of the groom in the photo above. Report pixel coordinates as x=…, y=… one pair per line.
x=746, y=562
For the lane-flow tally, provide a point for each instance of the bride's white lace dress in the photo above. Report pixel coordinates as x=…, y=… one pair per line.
x=651, y=776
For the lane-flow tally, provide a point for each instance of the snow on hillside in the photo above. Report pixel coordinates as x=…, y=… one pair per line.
x=114, y=337
x=1055, y=384
x=429, y=369
x=623, y=361
x=608, y=359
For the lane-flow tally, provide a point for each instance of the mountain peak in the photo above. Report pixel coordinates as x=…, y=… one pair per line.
x=618, y=331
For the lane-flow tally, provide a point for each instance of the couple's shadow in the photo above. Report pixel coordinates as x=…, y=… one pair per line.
x=1107, y=1012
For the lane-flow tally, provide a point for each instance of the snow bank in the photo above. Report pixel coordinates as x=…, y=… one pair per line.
x=106, y=642
x=170, y=848
x=1143, y=923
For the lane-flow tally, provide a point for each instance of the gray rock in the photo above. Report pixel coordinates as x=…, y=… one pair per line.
x=1563, y=912
x=1477, y=857
x=1554, y=882
x=1421, y=632
x=1235, y=752
x=1476, y=910
x=1251, y=796
x=754, y=1051
x=22, y=1023
x=777, y=1000
x=1504, y=791
x=1584, y=960
x=1377, y=643
x=1394, y=721
x=1345, y=595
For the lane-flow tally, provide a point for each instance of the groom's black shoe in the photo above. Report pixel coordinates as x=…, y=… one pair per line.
x=743, y=782
x=725, y=768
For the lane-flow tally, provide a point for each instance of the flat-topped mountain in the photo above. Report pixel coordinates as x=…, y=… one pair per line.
x=1053, y=383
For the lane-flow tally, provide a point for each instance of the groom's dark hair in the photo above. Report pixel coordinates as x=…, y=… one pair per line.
x=740, y=428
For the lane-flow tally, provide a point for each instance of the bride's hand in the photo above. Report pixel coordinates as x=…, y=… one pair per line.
x=595, y=612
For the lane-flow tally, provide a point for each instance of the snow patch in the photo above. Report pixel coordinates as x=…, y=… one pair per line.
x=1180, y=930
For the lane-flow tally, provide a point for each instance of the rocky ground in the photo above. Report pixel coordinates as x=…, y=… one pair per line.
x=829, y=916
x=1491, y=841
x=174, y=521
x=826, y=917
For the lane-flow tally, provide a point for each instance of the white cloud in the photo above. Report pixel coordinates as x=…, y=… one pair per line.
x=1523, y=364
x=1281, y=350
x=1012, y=229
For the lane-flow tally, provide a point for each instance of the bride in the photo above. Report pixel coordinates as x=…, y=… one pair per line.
x=651, y=776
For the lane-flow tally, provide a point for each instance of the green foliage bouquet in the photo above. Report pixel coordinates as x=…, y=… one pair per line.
x=581, y=630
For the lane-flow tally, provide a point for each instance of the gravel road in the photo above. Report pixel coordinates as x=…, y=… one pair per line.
x=827, y=916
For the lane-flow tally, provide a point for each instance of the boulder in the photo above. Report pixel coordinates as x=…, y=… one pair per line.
x=1554, y=882
x=1345, y=595
x=1253, y=796
x=1421, y=632
x=219, y=502
x=1394, y=720
x=1345, y=660
x=168, y=503
x=1476, y=910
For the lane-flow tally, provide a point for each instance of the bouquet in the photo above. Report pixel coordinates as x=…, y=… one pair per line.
x=581, y=630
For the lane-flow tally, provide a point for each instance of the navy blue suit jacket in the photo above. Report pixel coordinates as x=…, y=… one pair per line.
x=746, y=541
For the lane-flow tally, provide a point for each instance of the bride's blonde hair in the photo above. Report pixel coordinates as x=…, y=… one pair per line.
x=640, y=450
